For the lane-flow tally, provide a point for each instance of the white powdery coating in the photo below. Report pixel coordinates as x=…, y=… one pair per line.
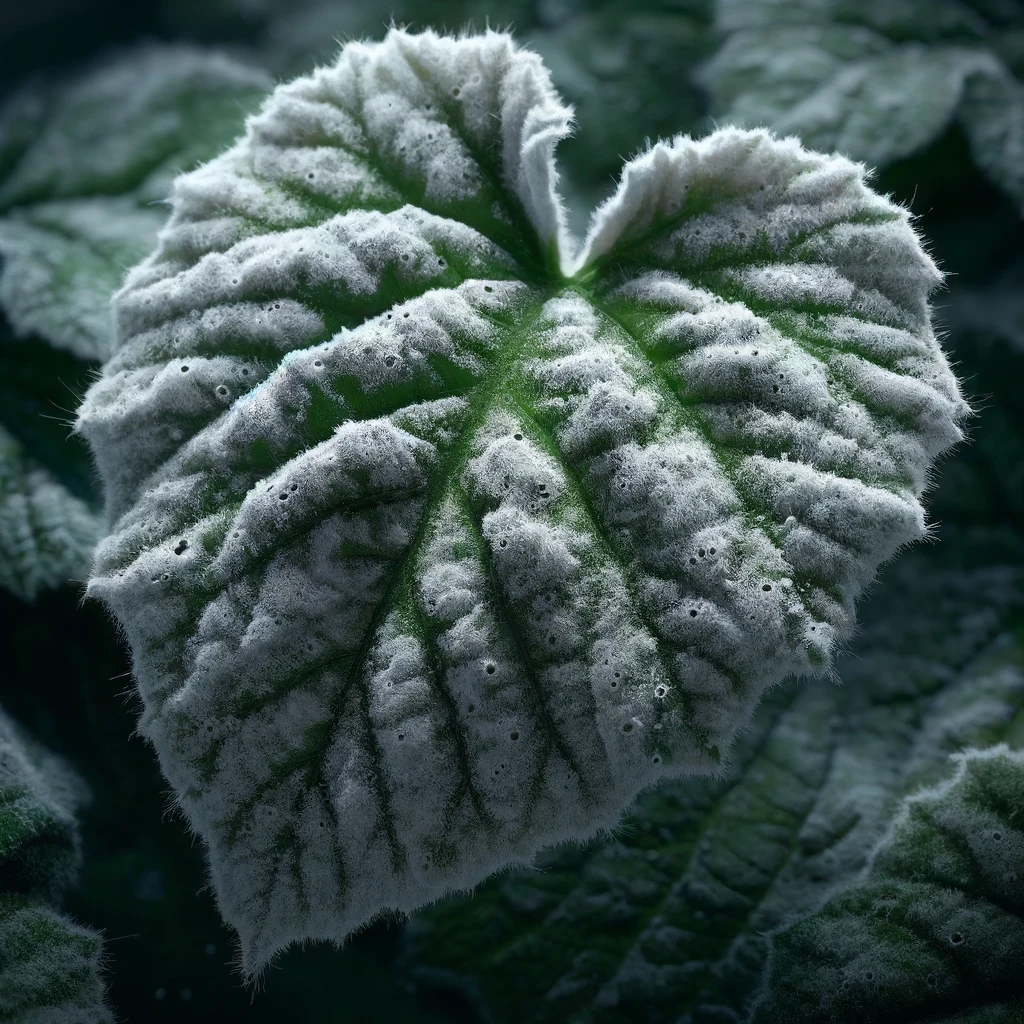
x=89, y=159
x=447, y=116
x=47, y=534
x=115, y=121
x=61, y=261
x=49, y=966
x=429, y=558
x=949, y=866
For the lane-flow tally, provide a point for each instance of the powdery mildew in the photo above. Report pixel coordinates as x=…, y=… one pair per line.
x=46, y=533
x=933, y=923
x=431, y=555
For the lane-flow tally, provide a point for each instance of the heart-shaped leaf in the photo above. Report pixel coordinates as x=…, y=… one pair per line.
x=436, y=544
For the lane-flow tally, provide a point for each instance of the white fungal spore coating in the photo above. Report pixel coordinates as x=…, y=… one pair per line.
x=436, y=544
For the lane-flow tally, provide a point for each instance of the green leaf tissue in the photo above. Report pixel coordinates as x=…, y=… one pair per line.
x=437, y=535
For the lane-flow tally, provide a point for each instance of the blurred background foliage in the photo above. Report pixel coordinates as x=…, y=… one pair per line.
x=629, y=68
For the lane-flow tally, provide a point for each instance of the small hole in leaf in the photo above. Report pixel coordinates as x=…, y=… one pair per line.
x=693, y=560
x=488, y=288
x=502, y=543
x=401, y=735
x=693, y=613
x=869, y=975
x=997, y=836
x=222, y=391
x=513, y=736
x=931, y=981
x=389, y=361
x=711, y=551
x=182, y=546
x=405, y=316
x=957, y=938
x=209, y=728
x=294, y=487
x=627, y=727
x=656, y=760
x=245, y=373
x=518, y=437
x=489, y=668
x=184, y=369
x=766, y=587
x=660, y=691
x=318, y=362
x=310, y=175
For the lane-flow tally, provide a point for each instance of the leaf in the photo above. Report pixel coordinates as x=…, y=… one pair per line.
x=62, y=262
x=878, y=81
x=49, y=966
x=668, y=922
x=936, y=924
x=85, y=162
x=47, y=534
x=626, y=72
x=80, y=166
x=434, y=544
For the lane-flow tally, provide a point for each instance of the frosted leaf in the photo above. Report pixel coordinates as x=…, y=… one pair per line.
x=49, y=965
x=876, y=80
x=83, y=164
x=47, y=533
x=936, y=923
x=701, y=870
x=435, y=543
